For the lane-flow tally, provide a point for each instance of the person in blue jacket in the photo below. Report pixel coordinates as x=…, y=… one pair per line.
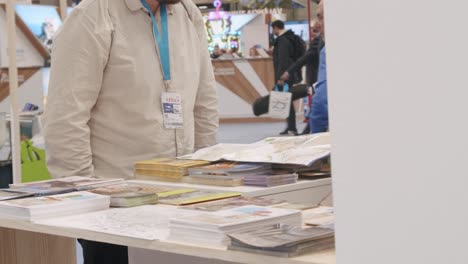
x=318, y=118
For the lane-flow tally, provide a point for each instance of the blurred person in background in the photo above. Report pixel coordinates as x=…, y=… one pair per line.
x=311, y=61
x=217, y=52
x=283, y=58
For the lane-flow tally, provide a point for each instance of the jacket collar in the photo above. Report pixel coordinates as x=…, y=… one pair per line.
x=135, y=5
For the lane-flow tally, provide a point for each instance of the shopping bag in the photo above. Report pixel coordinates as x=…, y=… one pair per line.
x=33, y=163
x=280, y=102
x=261, y=104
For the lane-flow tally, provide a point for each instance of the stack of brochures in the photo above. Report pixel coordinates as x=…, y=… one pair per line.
x=319, y=169
x=211, y=228
x=321, y=216
x=61, y=185
x=36, y=208
x=226, y=173
x=275, y=178
x=235, y=202
x=192, y=196
x=165, y=169
x=232, y=203
x=283, y=240
x=131, y=194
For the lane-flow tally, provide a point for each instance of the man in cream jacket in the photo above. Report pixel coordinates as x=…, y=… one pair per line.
x=110, y=83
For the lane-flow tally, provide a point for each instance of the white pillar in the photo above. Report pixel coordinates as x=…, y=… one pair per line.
x=13, y=83
x=398, y=92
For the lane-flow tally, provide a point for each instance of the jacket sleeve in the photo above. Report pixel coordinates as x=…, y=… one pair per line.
x=318, y=118
x=79, y=58
x=301, y=62
x=206, y=103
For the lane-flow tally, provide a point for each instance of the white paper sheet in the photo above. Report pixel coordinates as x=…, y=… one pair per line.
x=149, y=222
x=303, y=150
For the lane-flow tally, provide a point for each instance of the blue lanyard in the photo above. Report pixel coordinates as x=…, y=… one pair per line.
x=163, y=42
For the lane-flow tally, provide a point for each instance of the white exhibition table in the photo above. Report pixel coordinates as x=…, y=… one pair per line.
x=24, y=242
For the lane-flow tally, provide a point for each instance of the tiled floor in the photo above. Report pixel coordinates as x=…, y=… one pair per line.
x=251, y=132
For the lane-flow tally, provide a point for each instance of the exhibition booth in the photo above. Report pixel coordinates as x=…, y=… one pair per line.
x=243, y=74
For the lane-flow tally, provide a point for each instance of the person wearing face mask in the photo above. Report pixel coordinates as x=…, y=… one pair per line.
x=131, y=80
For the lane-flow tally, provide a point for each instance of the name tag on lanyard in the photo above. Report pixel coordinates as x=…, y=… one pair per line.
x=172, y=110
x=171, y=102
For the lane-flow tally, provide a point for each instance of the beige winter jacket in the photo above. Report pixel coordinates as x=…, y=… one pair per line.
x=104, y=103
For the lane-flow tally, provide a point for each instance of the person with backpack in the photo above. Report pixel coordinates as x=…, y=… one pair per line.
x=288, y=47
x=131, y=80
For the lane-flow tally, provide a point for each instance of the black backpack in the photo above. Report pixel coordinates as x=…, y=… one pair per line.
x=299, y=46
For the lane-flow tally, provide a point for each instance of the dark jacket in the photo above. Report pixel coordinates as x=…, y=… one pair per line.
x=311, y=60
x=283, y=56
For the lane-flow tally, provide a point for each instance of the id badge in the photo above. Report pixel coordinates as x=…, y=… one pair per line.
x=172, y=110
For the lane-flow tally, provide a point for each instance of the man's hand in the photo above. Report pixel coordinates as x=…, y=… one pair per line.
x=285, y=76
